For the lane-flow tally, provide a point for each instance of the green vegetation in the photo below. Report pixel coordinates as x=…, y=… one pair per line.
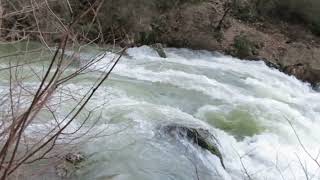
x=306, y=12
x=244, y=48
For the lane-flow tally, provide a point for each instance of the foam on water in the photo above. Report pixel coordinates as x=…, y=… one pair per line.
x=270, y=97
x=255, y=112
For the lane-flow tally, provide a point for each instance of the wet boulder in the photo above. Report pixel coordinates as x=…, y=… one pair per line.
x=304, y=72
x=159, y=49
x=271, y=64
x=75, y=158
x=70, y=163
x=201, y=137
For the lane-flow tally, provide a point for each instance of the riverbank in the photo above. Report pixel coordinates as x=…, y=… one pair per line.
x=236, y=28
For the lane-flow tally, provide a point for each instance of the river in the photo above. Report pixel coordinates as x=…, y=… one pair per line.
x=266, y=123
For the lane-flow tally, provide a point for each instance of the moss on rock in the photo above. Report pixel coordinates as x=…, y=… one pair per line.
x=199, y=136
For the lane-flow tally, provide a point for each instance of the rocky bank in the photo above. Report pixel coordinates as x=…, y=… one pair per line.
x=212, y=25
x=227, y=26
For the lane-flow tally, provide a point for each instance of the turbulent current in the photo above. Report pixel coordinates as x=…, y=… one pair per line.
x=266, y=123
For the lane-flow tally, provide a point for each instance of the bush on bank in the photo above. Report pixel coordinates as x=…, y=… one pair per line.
x=306, y=12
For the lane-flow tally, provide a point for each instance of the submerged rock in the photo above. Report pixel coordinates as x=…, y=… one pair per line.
x=199, y=136
x=70, y=164
x=75, y=158
x=63, y=171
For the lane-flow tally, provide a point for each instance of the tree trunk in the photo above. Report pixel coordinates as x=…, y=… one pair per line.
x=1, y=14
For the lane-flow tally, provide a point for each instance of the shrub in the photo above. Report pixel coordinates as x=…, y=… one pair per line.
x=244, y=10
x=300, y=11
x=243, y=47
x=305, y=12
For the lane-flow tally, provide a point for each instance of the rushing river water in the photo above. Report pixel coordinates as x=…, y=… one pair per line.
x=257, y=114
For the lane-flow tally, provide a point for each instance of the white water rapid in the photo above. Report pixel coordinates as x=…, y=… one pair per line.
x=267, y=123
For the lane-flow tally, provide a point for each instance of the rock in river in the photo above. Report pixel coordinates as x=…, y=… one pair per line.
x=201, y=137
